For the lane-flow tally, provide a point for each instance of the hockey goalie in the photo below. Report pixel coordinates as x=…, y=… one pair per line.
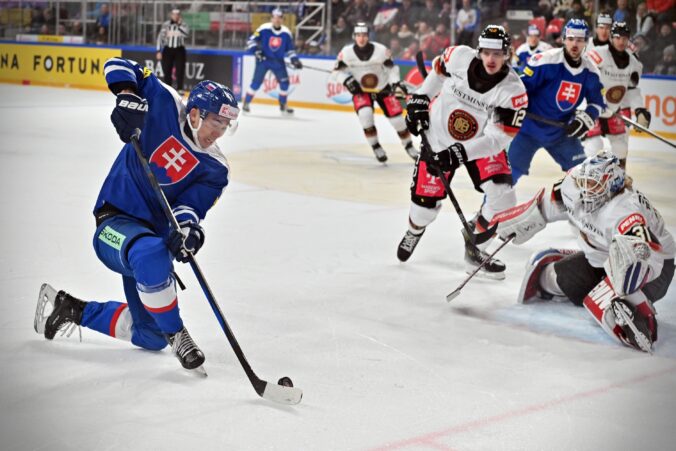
x=626, y=258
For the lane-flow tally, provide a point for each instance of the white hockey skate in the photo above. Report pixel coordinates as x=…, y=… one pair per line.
x=64, y=315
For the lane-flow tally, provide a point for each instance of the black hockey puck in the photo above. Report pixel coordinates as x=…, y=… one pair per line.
x=285, y=382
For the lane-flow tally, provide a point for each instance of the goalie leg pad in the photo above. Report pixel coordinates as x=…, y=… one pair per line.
x=538, y=262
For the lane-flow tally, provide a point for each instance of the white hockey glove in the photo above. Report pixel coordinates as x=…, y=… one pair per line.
x=580, y=125
x=627, y=264
x=522, y=221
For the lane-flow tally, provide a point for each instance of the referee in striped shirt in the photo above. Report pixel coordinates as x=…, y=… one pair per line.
x=171, y=48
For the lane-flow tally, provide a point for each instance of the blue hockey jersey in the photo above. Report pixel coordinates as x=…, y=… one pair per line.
x=275, y=44
x=192, y=179
x=555, y=90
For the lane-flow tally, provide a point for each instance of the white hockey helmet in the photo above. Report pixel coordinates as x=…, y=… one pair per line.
x=360, y=27
x=598, y=178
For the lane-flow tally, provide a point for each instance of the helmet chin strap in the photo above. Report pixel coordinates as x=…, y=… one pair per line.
x=195, y=130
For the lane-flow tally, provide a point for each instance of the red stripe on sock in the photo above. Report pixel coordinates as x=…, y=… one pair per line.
x=162, y=309
x=116, y=316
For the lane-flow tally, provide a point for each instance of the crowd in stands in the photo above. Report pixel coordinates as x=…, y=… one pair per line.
x=409, y=26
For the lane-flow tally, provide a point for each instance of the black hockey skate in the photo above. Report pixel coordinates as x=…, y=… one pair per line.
x=493, y=269
x=408, y=244
x=246, y=108
x=65, y=317
x=185, y=349
x=379, y=153
x=286, y=111
x=412, y=151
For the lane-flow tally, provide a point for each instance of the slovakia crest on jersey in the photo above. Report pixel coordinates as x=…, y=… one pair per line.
x=275, y=42
x=173, y=162
x=568, y=95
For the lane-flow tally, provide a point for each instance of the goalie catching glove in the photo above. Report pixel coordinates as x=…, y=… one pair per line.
x=627, y=265
x=522, y=221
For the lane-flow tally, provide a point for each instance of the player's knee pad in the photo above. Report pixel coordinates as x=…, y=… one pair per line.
x=541, y=275
x=619, y=145
x=399, y=124
x=422, y=216
x=365, y=115
x=499, y=197
x=150, y=261
x=592, y=145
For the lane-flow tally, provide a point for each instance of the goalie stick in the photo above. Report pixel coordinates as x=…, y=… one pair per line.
x=453, y=294
x=645, y=130
x=273, y=392
x=643, y=342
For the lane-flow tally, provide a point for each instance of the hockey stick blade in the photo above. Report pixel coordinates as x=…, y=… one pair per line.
x=454, y=294
x=280, y=393
x=486, y=235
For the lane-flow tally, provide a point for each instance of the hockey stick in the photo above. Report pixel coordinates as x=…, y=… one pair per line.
x=273, y=392
x=645, y=130
x=474, y=238
x=453, y=294
x=318, y=69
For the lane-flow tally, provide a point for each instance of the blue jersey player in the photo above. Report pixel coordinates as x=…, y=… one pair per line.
x=133, y=237
x=557, y=82
x=271, y=43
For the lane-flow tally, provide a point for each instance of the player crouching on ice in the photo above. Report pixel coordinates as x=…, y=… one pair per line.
x=480, y=103
x=368, y=72
x=626, y=261
x=133, y=237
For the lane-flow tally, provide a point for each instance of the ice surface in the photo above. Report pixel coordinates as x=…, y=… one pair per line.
x=300, y=252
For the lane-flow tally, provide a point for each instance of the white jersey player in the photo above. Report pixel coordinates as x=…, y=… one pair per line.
x=620, y=72
x=368, y=72
x=602, y=34
x=480, y=103
x=626, y=261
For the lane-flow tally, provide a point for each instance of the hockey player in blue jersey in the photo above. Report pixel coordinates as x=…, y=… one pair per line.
x=529, y=48
x=271, y=43
x=133, y=237
x=557, y=81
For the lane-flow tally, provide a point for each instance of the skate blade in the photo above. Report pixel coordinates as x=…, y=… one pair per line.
x=200, y=371
x=46, y=297
x=469, y=269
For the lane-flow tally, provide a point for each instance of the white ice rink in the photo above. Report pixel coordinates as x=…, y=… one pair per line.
x=300, y=252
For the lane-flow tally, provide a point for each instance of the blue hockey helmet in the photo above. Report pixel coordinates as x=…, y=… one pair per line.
x=576, y=28
x=212, y=97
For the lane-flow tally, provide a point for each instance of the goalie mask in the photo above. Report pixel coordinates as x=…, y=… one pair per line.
x=598, y=178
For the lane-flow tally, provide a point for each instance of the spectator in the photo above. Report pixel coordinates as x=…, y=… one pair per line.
x=665, y=37
x=405, y=36
x=423, y=32
x=101, y=36
x=341, y=34
x=386, y=35
x=356, y=12
x=576, y=11
x=408, y=13
x=664, y=9
x=645, y=52
x=395, y=48
x=410, y=52
x=545, y=10
x=444, y=15
x=104, y=17
x=644, y=20
x=435, y=43
x=622, y=14
x=429, y=13
x=387, y=14
x=667, y=65
x=466, y=22
x=338, y=8
x=314, y=48
x=372, y=9
x=553, y=35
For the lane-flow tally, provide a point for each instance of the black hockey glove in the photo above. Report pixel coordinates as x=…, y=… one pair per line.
x=399, y=89
x=417, y=113
x=260, y=57
x=128, y=115
x=352, y=85
x=445, y=161
x=642, y=117
x=580, y=125
x=188, y=240
x=296, y=63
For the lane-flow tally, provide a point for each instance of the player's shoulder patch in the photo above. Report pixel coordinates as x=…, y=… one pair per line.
x=520, y=101
x=528, y=71
x=630, y=221
x=147, y=72
x=595, y=56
